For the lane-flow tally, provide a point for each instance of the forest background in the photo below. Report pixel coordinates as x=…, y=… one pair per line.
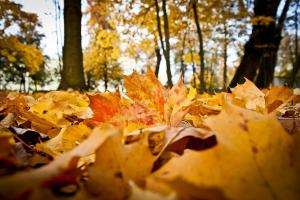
x=212, y=44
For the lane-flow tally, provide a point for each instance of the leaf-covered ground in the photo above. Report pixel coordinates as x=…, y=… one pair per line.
x=151, y=143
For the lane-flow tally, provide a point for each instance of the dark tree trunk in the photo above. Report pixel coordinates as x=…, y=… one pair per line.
x=105, y=77
x=201, y=50
x=158, y=60
x=225, y=57
x=35, y=85
x=182, y=65
x=194, y=69
x=267, y=66
x=167, y=41
x=89, y=84
x=22, y=81
x=211, y=77
x=72, y=73
x=158, y=56
x=260, y=52
x=296, y=63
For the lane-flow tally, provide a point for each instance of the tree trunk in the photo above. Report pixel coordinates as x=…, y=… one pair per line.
x=167, y=41
x=72, y=73
x=260, y=52
x=182, y=65
x=201, y=50
x=35, y=85
x=211, y=77
x=158, y=60
x=296, y=63
x=157, y=51
x=89, y=85
x=225, y=57
x=105, y=77
x=194, y=69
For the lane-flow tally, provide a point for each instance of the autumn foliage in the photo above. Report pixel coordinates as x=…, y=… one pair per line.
x=151, y=143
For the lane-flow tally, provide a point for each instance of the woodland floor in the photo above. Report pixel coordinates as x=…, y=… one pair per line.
x=151, y=143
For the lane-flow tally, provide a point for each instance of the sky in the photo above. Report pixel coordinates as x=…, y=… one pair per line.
x=45, y=9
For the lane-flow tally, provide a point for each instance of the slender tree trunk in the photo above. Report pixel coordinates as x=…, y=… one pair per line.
x=72, y=73
x=22, y=81
x=296, y=64
x=88, y=76
x=211, y=77
x=157, y=51
x=35, y=85
x=182, y=65
x=167, y=41
x=105, y=77
x=260, y=52
x=194, y=69
x=225, y=57
x=158, y=58
x=201, y=50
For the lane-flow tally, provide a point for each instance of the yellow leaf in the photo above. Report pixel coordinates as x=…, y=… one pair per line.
x=32, y=180
x=146, y=91
x=250, y=94
x=276, y=96
x=253, y=153
x=68, y=138
x=55, y=106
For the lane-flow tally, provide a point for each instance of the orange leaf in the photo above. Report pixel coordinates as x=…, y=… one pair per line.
x=104, y=106
x=276, y=96
x=146, y=90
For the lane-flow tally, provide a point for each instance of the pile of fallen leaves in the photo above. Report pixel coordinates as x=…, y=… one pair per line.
x=151, y=143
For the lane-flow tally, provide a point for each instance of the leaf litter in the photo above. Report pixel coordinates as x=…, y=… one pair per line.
x=152, y=143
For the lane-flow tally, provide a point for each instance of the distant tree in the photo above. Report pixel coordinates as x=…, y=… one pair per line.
x=45, y=76
x=201, y=49
x=101, y=60
x=295, y=54
x=260, y=52
x=20, y=53
x=72, y=75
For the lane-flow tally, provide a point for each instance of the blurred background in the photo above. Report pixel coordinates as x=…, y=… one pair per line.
x=91, y=44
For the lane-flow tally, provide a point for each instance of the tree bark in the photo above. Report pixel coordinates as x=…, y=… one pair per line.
x=296, y=63
x=167, y=41
x=182, y=65
x=194, y=69
x=225, y=57
x=105, y=77
x=260, y=52
x=201, y=50
x=158, y=60
x=72, y=73
x=158, y=56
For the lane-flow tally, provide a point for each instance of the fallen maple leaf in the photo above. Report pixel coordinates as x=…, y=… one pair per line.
x=276, y=96
x=68, y=138
x=20, y=182
x=250, y=94
x=104, y=106
x=55, y=105
x=249, y=156
x=146, y=91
